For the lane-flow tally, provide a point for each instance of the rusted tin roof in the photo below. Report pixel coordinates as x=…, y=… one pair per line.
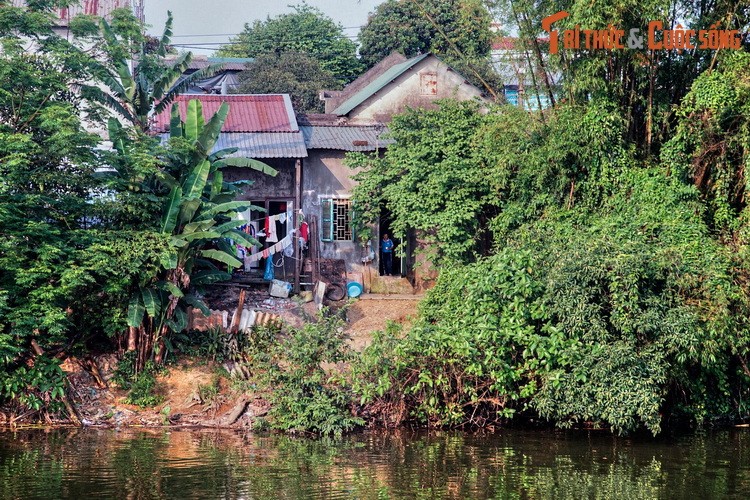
x=247, y=112
x=259, y=144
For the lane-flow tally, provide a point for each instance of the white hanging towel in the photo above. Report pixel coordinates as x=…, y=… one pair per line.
x=271, y=236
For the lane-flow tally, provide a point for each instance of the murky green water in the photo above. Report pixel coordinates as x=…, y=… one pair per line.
x=512, y=464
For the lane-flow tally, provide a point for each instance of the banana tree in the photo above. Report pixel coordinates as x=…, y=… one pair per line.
x=200, y=217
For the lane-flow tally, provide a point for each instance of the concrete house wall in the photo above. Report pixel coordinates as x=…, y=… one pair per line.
x=419, y=87
x=325, y=176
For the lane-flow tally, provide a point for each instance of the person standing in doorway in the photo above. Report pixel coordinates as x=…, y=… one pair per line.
x=386, y=249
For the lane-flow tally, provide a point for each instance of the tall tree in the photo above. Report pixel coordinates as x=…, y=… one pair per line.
x=305, y=30
x=64, y=273
x=153, y=83
x=456, y=28
x=298, y=75
x=644, y=84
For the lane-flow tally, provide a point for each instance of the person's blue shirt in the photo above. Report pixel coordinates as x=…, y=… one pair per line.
x=386, y=246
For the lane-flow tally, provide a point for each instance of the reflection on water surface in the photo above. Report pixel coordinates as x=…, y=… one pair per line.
x=90, y=463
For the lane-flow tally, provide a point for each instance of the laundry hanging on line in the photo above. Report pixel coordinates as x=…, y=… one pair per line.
x=264, y=254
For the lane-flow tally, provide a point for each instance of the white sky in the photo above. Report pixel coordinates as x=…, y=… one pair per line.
x=221, y=17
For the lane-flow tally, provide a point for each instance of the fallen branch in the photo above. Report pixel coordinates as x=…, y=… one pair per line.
x=236, y=412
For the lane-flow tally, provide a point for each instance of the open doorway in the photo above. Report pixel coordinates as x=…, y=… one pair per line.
x=399, y=245
x=270, y=227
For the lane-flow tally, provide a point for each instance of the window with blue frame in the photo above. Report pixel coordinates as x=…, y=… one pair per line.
x=336, y=219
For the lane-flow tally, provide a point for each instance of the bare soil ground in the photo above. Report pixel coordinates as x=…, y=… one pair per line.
x=181, y=384
x=366, y=316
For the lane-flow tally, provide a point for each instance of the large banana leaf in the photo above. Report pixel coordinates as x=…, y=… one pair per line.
x=209, y=277
x=170, y=287
x=175, y=122
x=221, y=256
x=223, y=228
x=172, y=210
x=232, y=206
x=210, y=133
x=239, y=237
x=135, y=310
x=196, y=181
x=169, y=261
x=166, y=36
x=180, y=321
x=197, y=303
x=193, y=120
x=187, y=212
x=151, y=301
x=218, y=155
x=201, y=225
x=216, y=185
x=248, y=163
x=201, y=235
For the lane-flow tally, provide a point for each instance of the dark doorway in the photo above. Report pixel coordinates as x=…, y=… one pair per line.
x=398, y=241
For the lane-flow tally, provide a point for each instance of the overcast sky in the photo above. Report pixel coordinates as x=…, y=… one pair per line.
x=221, y=17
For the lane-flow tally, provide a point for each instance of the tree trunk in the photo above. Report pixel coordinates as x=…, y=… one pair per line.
x=132, y=336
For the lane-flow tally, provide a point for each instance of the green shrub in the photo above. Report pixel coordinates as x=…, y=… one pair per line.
x=304, y=397
x=141, y=386
x=618, y=317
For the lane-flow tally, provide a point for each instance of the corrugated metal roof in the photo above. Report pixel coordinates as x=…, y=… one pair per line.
x=346, y=138
x=377, y=84
x=261, y=144
x=265, y=144
x=247, y=112
x=101, y=8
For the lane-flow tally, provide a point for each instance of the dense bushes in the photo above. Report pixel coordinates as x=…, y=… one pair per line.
x=619, y=317
x=615, y=288
x=302, y=370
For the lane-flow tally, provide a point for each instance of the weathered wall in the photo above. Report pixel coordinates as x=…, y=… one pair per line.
x=264, y=186
x=413, y=90
x=324, y=175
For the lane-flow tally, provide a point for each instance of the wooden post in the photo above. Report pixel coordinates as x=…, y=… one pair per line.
x=297, y=208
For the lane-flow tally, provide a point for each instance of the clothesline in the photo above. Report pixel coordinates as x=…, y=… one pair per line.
x=285, y=243
x=263, y=218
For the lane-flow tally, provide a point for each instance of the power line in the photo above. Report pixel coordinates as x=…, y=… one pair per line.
x=237, y=34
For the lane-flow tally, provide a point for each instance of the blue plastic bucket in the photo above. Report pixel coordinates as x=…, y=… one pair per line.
x=353, y=289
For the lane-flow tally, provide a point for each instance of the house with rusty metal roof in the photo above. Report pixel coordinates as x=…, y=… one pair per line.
x=263, y=127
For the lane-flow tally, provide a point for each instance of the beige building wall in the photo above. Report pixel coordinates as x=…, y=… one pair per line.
x=418, y=87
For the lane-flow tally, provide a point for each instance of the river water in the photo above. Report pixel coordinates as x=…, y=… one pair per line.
x=133, y=463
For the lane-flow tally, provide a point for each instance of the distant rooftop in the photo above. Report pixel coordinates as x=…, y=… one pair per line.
x=101, y=8
x=227, y=63
x=377, y=84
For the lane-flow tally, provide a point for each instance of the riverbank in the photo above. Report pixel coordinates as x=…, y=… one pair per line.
x=196, y=391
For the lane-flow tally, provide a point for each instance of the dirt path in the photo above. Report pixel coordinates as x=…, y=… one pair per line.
x=373, y=313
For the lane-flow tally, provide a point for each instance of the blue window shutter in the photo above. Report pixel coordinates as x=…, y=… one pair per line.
x=326, y=224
